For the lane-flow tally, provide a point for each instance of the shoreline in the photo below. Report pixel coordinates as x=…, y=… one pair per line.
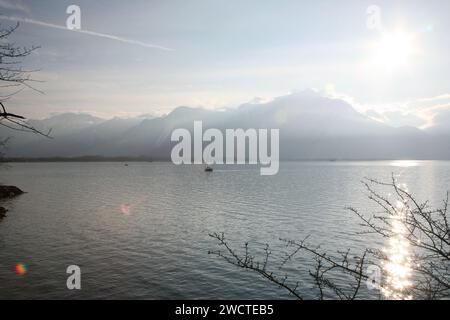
x=94, y=159
x=8, y=192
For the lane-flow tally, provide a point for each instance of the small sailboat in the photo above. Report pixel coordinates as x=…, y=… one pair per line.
x=208, y=168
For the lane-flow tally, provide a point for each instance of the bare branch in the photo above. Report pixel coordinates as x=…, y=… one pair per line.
x=426, y=231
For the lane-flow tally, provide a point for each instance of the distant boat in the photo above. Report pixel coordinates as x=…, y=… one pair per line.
x=208, y=169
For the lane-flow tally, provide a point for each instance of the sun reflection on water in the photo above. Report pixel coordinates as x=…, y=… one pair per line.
x=405, y=163
x=398, y=265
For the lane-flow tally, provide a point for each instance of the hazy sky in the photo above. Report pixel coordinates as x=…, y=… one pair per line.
x=224, y=53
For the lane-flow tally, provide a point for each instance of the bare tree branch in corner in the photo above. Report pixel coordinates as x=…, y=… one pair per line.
x=424, y=230
x=13, y=79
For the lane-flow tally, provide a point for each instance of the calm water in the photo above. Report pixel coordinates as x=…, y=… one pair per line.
x=141, y=231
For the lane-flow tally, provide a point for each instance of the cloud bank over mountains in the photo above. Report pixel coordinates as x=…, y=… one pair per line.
x=312, y=126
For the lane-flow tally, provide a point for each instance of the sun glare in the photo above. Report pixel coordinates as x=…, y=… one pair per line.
x=405, y=163
x=393, y=50
x=398, y=266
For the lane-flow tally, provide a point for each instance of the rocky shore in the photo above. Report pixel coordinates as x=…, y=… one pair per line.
x=3, y=212
x=8, y=192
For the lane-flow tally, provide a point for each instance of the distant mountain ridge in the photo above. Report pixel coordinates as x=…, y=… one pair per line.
x=312, y=126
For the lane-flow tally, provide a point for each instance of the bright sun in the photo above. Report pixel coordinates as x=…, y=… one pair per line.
x=393, y=50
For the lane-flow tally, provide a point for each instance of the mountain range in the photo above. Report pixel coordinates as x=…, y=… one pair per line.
x=312, y=126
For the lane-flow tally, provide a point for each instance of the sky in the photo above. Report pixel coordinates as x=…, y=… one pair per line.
x=148, y=57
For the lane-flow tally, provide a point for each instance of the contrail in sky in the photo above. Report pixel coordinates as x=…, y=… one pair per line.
x=92, y=33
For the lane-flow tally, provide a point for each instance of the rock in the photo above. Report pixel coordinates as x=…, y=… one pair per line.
x=9, y=192
x=2, y=212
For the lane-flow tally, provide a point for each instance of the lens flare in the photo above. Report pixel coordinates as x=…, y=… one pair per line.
x=21, y=269
x=125, y=209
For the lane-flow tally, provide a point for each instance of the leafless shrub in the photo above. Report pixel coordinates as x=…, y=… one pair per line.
x=418, y=267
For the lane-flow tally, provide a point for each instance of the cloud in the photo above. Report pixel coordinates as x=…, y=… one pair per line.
x=14, y=5
x=440, y=121
x=430, y=109
x=442, y=97
x=405, y=114
x=423, y=113
x=403, y=119
x=396, y=116
x=91, y=33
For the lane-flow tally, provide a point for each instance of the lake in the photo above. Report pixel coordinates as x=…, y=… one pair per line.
x=141, y=231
